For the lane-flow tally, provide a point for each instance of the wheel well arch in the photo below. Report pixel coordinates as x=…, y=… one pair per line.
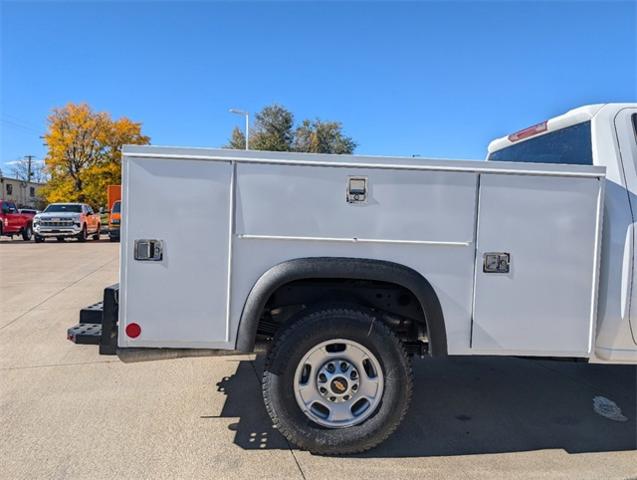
x=316, y=268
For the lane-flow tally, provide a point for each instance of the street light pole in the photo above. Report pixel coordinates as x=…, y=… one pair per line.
x=247, y=115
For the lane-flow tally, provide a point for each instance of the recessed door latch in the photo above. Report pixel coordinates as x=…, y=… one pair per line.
x=496, y=262
x=149, y=250
x=356, y=190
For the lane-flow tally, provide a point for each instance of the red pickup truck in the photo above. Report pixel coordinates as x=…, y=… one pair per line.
x=12, y=222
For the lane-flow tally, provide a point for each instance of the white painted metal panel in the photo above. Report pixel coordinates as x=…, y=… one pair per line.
x=546, y=304
x=449, y=269
x=422, y=219
x=310, y=202
x=181, y=301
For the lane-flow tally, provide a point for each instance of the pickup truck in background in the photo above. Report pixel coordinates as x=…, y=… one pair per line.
x=67, y=220
x=345, y=268
x=114, y=220
x=14, y=222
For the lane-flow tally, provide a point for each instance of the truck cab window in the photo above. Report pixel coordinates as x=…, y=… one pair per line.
x=570, y=145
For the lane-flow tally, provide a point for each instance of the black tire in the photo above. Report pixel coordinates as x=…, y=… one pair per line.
x=27, y=233
x=83, y=235
x=38, y=238
x=113, y=239
x=96, y=235
x=288, y=350
x=60, y=239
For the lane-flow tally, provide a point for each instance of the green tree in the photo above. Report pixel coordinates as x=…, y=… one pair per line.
x=237, y=140
x=322, y=137
x=274, y=131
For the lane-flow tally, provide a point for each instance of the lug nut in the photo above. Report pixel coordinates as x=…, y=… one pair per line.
x=343, y=366
x=332, y=399
x=354, y=387
x=322, y=390
x=330, y=368
x=322, y=378
x=353, y=375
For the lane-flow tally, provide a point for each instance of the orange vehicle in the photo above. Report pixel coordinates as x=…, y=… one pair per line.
x=114, y=219
x=114, y=196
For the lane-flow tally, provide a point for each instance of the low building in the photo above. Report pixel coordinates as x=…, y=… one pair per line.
x=23, y=194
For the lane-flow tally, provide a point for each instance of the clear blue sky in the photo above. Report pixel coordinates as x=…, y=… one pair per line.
x=429, y=78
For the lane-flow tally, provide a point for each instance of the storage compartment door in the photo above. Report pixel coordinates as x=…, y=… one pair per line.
x=545, y=303
x=180, y=300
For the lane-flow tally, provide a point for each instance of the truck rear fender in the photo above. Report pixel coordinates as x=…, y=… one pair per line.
x=342, y=268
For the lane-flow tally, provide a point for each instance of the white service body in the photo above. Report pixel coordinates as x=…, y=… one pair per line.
x=224, y=217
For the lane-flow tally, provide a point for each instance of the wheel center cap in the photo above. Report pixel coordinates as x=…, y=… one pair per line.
x=339, y=385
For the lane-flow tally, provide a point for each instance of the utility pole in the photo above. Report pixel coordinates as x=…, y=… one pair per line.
x=29, y=159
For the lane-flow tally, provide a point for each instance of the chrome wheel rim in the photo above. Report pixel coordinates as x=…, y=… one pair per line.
x=338, y=383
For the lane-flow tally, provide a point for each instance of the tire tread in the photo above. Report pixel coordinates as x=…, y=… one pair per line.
x=366, y=443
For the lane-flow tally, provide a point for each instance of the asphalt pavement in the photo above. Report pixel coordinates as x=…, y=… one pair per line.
x=67, y=412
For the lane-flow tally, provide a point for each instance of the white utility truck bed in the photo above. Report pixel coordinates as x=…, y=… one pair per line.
x=225, y=217
x=344, y=268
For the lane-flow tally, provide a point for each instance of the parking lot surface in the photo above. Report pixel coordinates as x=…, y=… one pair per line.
x=66, y=412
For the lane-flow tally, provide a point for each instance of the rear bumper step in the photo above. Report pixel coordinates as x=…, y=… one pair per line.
x=98, y=323
x=92, y=313
x=85, y=333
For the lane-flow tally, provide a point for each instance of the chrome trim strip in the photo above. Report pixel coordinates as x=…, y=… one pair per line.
x=353, y=240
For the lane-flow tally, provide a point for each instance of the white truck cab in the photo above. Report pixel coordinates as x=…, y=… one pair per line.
x=345, y=267
x=603, y=135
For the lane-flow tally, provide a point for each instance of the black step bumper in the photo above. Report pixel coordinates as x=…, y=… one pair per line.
x=98, y=323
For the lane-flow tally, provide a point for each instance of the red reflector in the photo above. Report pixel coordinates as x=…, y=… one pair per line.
x=528, y=132
x=133, y=330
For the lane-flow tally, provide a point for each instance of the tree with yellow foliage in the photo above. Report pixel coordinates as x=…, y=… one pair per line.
x=85, y=153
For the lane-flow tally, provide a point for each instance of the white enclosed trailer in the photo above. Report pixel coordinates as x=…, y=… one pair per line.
x=345, y=265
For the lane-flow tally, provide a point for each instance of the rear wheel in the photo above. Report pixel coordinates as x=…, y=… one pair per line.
x=96, y=235
x=337, y=381
x=27, y=233
x=83, y=235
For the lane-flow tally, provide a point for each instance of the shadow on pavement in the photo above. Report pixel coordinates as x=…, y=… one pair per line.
x=476, y=405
